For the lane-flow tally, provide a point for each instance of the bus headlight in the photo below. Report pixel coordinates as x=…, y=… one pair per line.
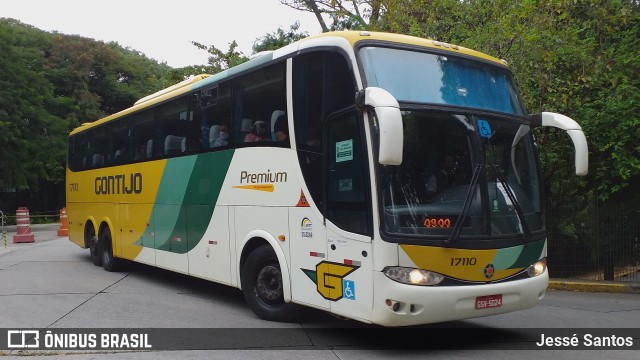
x=537, y=268
x=413, y=276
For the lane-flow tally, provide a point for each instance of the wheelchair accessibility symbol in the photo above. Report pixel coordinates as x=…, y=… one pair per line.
x=484, y=128
x=349, y=289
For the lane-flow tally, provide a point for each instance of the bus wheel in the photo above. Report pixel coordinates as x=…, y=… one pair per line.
x=109, y=262
x=94, y=250
x=262, y=286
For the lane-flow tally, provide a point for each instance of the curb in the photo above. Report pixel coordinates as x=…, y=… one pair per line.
x=591, y=286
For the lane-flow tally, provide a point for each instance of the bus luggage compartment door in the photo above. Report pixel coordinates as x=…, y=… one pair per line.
x=349, y=269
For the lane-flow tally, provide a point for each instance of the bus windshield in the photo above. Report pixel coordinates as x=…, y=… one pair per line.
x=443, y=153
x=414, y=76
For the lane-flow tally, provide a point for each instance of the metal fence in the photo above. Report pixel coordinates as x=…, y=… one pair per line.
x=595, y=240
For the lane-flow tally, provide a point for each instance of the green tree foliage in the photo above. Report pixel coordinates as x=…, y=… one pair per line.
x=49, y=84
x=344, y=14
x=579, y=58
x=279, y=38
x=222, y=60
x=30, y=136
x=101, y=78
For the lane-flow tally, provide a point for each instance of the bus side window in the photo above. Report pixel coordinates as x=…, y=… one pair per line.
x=119, y=131
x=97, y=148
x=255, y=97
x=199, y=123
x=77, y=157
x=211, y=112
x=173, y=118
x=142, y=130
x=322, y=84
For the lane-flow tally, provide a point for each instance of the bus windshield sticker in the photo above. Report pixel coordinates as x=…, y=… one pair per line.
x=485, y=128
x=344, y=150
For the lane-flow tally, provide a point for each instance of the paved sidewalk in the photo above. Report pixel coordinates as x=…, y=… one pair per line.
x=41, y=232
x=594, y=286
x=47, y=232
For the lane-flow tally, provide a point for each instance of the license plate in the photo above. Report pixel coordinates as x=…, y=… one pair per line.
x=490, y=301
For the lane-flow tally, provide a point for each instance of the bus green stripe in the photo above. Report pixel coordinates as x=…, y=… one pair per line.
x=185, y=201
x=505, y=258
x=529, y=255
x=517, y=257
x=204, y=189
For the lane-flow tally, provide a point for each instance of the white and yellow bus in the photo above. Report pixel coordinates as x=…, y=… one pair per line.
x=407, y=191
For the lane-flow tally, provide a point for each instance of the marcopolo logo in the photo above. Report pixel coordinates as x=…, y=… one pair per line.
x=489, y=270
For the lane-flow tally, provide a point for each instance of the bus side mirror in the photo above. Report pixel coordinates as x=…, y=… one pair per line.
x=575, y=132
x=389, y=123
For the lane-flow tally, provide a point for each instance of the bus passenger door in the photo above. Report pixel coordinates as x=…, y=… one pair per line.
x=348, y=272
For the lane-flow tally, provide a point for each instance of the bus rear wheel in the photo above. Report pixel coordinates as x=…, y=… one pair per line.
x=262, y=286
x=109, y=262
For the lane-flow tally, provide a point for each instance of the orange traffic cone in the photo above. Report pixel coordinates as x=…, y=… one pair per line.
x=23, y=232
x=64, y=223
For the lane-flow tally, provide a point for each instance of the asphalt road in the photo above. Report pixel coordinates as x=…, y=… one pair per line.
x=52, y=284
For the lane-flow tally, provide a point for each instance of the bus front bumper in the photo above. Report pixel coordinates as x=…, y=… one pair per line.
x=397, y=304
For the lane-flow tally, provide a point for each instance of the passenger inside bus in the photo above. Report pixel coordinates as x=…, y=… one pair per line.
x=214, y=133
x=444, y=178
x=142, y=152
x=120, y=154
x=223, y=137
x=281, y=129
x=259, y=132
x=274, y=117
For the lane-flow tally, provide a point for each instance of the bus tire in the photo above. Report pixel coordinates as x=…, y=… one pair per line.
x=109, y=262
x=262, y=286
x=94, y=250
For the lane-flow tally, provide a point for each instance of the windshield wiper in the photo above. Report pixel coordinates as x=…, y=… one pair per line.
x=467, y=203
x=514, y=201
